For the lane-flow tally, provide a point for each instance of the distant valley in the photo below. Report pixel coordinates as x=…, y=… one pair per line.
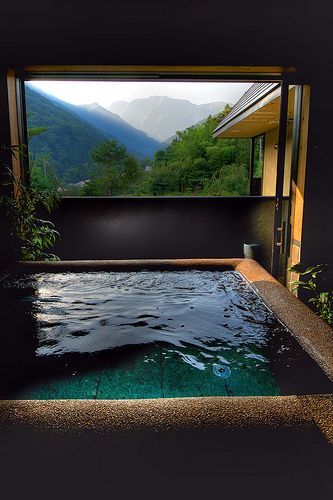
x=144, y=126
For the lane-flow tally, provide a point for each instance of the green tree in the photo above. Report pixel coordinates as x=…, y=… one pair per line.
x=197, y=164
x=42, y=172
x=230, y=180
x=110, y=155
x=131, y=174
x=94, y=187
x=162, y=180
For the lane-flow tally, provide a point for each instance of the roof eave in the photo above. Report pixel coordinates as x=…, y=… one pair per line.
x=261, y=102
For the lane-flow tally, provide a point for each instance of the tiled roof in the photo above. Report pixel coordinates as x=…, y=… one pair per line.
x=251, y=97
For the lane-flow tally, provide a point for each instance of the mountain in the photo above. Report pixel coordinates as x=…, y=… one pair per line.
x=114, y=127
x=68, y=140
x=111, y=126
x=73, y=131
x=161, y=117
x=119, y=107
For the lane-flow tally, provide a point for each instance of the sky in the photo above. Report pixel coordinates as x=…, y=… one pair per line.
x=105, y=93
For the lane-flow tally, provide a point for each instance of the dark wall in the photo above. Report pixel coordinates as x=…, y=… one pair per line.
x=130, y=228
x=317, y=241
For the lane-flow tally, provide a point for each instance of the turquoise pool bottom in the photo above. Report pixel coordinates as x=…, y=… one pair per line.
x=154, y=372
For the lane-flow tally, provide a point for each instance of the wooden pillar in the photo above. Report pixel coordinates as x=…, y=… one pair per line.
x=5, y=137
x=15, y=140
x=298, y=187
x=6, y=189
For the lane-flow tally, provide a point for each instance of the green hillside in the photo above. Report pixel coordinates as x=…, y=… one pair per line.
x=196, y=164
x=67, y=140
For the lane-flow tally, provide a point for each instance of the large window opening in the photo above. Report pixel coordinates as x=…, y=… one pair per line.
x=135, y=138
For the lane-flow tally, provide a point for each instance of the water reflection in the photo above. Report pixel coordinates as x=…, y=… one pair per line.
x=70, y=324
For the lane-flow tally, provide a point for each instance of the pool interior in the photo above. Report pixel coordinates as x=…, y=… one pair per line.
x=148, y=334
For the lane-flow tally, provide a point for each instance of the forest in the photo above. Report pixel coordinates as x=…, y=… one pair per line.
x=194, y=164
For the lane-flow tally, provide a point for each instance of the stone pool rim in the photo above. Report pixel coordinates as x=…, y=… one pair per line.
x=314, y=335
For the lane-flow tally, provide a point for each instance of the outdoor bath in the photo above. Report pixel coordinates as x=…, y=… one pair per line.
x=188, y=421
x=205, y=380
x=143, y=330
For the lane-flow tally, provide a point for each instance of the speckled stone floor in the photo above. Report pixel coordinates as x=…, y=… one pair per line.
x=193, y=448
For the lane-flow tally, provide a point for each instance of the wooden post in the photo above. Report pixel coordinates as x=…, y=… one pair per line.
x=14, y=126
x=5, y=140
x=298, y=186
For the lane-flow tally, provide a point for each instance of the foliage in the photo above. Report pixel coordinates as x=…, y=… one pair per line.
x=162, y=180
x=35, y=131
x=197, y=164
x=193, y=164
x=110, y=155
x=117, y=169
x=230, y=180
x=131, y=174
x=66, y=139
x=30, y=235
x=258, y=156
x=42, y=174
x=322, y=301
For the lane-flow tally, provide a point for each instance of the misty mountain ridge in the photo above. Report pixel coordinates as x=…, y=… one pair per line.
x=161, y=116
x=74, y=130
x=67, y=139
x=111, y=125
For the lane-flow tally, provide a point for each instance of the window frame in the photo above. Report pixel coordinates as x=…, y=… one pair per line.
x=133, y=73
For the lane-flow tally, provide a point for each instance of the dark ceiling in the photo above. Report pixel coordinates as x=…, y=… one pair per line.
x=275, y=32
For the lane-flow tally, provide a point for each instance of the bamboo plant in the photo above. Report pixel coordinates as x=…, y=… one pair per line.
x=31, y=237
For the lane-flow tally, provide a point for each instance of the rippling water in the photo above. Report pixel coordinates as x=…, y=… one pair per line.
x=211, y=322
x=90, y=312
